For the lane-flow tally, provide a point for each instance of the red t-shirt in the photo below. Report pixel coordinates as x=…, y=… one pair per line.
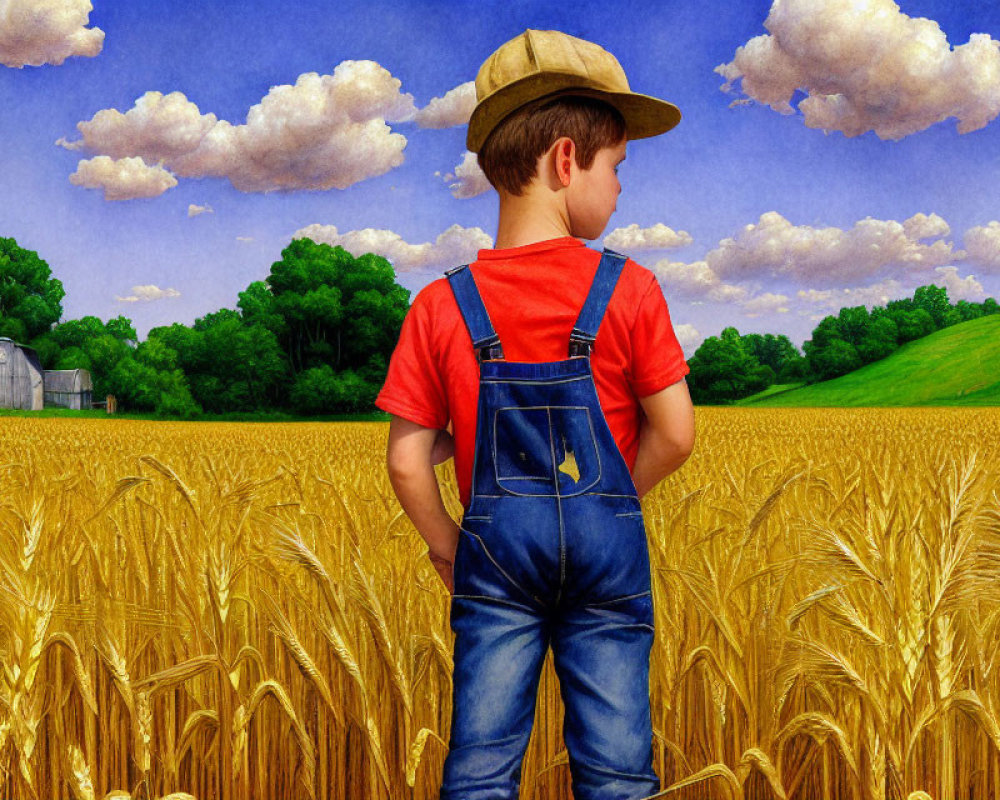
x=533, y=295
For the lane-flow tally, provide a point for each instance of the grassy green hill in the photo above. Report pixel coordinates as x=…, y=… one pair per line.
x=956, y=366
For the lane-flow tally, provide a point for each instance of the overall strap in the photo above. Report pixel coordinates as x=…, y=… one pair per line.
x=581, y=340
x=470, y=304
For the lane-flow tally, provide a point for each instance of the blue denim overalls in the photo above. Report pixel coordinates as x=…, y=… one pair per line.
x=552, y=550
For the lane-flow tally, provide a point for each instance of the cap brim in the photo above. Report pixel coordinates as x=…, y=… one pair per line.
x=644, y=115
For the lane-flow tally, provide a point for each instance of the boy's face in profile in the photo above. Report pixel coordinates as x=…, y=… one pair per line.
x=592, y=195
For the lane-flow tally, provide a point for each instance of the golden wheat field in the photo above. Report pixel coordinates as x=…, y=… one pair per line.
x=235, y=610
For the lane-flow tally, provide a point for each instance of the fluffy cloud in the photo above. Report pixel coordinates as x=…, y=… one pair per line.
x=696, y=282
x=924, y=226
x=323, y=132
x=766, y=303
x=774, y=248
x=468, y=180
x=870, y=264
x=454, y=108
x=688, y=338
x=36, y=32
x=967, y=288
x=455, y=246
x=876, y=294
x=147, y=293
x=195, y=210
x=634, y=239
x=882, y=292
x=122, y=178
x=982, y=244
x=866, y=66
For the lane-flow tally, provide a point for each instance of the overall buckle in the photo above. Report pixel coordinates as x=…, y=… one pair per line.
x=489, y=352
x=580, y=343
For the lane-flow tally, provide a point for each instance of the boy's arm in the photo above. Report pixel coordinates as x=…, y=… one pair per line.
x=411, y=472
x=666, y=437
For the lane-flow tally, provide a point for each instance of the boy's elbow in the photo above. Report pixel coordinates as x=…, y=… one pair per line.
x=400, y=464
x=683, y=442
x=409, y=448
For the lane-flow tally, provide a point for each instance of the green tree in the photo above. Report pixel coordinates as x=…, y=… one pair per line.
x=30, y=298
x=338, y=311
x=934, y=300
x=836, y=358
x=776, y=352
x=880, y=340
x=724, y=369
x=230, y=365
x=913, y=324
x=141, y=387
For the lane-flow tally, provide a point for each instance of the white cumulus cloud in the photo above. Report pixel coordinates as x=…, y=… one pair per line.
x=147, y=293
x=634, y=239
x=468, y=180
x=774, y=248
x=866, y=66
x=194, y=210
x=37, y=32
x=122, y=178
x=982, y=244
x=967, y=288
x=456, y=245
x=454, y=108
x=688, y=338
x=765, y=303
x=696, y=282
x=323, y=132
x=875, y=294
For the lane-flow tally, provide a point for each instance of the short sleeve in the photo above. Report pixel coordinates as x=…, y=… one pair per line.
x=657, y=357
x=413, y=388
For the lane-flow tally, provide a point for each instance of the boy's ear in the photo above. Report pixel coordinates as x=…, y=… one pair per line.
x=565, y=159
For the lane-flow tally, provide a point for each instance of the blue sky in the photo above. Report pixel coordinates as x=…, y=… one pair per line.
x=750, y=217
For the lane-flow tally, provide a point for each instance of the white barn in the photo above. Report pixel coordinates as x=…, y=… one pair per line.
x=68, y=388
x=21, y=379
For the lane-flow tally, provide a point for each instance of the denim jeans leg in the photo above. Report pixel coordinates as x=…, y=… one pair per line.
x=601, y=655
x=500, y=647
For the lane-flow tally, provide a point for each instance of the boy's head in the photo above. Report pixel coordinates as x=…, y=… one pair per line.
x=544, y=85
x=509, y=156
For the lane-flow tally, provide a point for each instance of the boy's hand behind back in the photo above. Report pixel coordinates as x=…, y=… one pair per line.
x=410, y=456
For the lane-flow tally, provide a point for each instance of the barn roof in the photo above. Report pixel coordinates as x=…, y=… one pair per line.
x=17, y=344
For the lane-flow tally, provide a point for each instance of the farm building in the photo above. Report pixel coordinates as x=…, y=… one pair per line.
x=20, y=376
x=69, y=388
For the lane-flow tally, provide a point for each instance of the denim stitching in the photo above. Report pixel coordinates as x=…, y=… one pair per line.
x=620, y=599
x=539, y=382
x=495, y=600
x=562, y=542
x=503, y=572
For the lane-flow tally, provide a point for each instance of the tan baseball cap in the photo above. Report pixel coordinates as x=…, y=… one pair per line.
x=537, y=65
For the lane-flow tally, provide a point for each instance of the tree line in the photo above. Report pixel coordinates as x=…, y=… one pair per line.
x=731, y=366
x=316, y=335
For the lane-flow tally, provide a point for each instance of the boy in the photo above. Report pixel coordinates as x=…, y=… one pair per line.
x=551, y=455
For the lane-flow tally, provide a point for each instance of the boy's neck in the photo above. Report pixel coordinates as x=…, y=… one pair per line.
x=536, y=216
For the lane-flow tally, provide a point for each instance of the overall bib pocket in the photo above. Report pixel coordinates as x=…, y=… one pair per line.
x=545, y=450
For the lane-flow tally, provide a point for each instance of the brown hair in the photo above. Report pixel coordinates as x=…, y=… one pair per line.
x=509, y=156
